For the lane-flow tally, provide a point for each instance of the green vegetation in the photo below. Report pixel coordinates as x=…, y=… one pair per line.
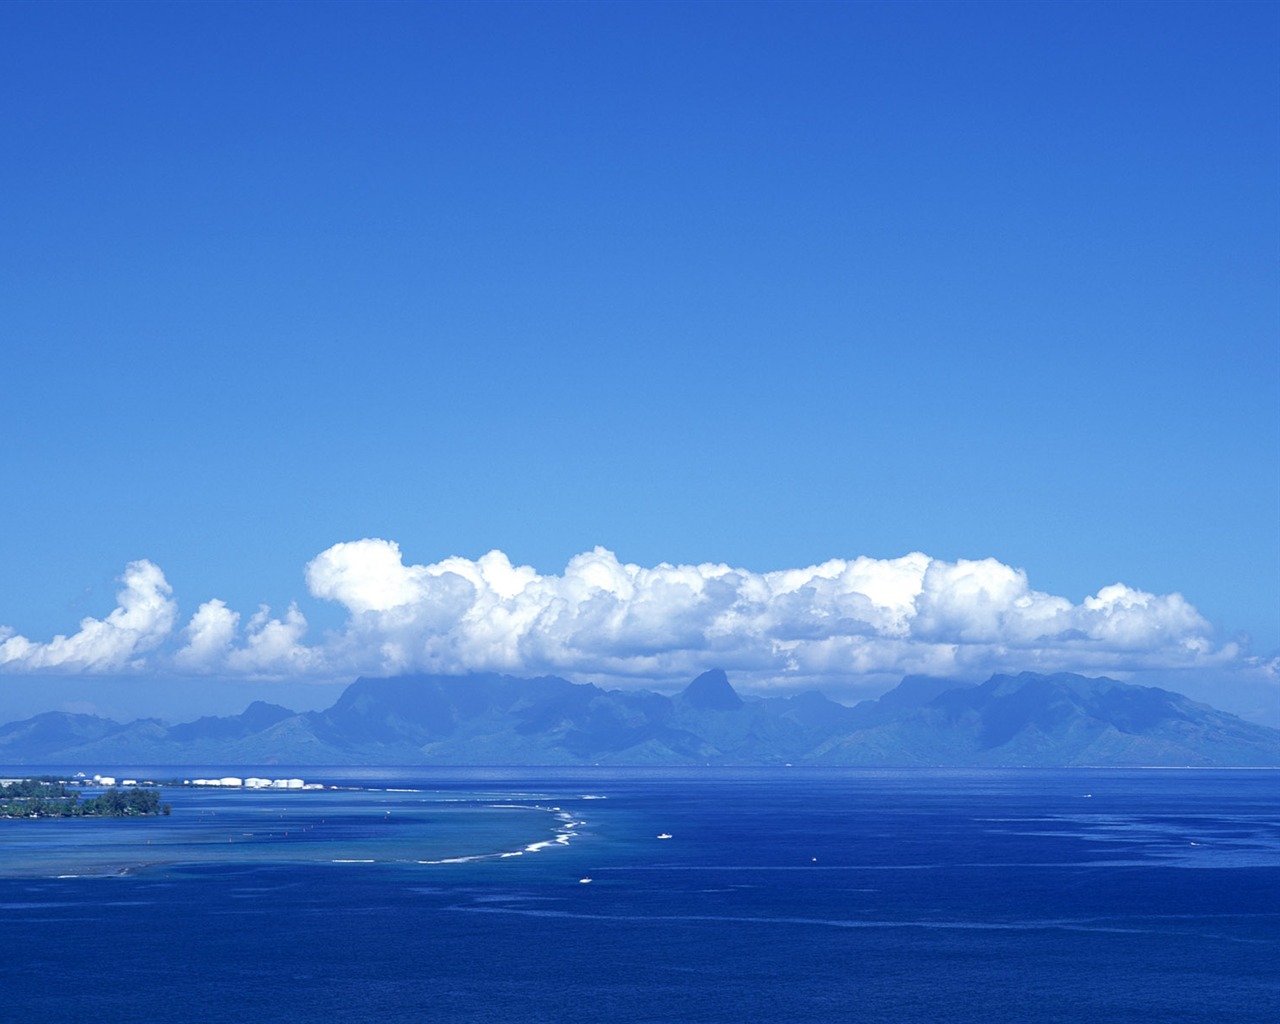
x=49, y=797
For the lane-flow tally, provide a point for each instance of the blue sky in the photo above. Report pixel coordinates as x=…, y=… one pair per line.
x=756, y=285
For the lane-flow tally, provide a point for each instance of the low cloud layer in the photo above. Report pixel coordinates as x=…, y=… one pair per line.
x=833, y=625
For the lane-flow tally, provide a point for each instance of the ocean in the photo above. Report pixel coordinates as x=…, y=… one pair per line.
x=797, y=895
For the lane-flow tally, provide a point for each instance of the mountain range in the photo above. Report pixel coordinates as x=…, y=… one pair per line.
x=487, y=719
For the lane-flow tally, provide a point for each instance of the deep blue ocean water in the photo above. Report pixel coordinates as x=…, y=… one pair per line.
x=782, y=895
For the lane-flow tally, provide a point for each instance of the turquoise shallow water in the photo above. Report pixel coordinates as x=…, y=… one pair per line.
x=368, y=824
x=780, y=896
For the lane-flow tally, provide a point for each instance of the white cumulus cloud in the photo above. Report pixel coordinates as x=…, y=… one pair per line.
x=210, y=634
x=842, y=618
x=142, y=620
x=269, y=647
x=829, y=625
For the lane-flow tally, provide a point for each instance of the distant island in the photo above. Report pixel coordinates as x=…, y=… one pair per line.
x=50, y=797
x=1024, y=720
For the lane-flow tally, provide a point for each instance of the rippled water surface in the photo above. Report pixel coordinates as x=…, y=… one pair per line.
x=787, y=895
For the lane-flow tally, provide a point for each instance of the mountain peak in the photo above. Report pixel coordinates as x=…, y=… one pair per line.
x=711, y=692
x=1025, y=720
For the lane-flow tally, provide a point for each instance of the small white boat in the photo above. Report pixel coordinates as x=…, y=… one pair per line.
x=583, y=881
x=664, y=835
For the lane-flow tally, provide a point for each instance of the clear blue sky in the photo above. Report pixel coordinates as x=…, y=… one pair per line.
x=762, y=284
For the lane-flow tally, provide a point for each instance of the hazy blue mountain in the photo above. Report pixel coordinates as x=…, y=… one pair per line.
x=1063, y=719
x=254, y=719
x=43, y=737
x=711, y=691
x=1028, y=719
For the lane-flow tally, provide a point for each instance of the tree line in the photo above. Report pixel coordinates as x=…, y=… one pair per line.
x=47, y=797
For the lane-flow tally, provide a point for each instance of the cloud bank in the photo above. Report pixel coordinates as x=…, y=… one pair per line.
x=830, y=625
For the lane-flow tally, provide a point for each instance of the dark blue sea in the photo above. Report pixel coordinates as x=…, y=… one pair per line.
x=547, y=895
